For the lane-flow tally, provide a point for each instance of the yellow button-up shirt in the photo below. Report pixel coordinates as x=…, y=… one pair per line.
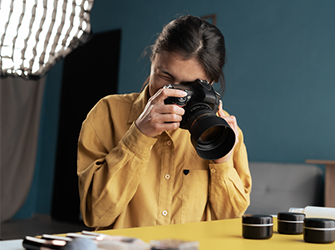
x=127, y=179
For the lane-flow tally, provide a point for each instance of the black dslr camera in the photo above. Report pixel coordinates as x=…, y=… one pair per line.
x=211, y=135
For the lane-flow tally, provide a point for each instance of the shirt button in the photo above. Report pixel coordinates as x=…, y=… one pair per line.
x=167, y=176
x=164, y=213
x=169, y=143
x=213, y=170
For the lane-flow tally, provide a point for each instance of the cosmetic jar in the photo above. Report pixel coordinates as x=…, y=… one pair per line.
x=257, y=226
x=317, y=230
x=290, y=223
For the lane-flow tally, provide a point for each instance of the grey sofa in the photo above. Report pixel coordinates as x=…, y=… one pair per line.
x=278, y=186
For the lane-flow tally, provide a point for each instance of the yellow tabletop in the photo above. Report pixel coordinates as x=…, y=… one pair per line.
x=222, y=234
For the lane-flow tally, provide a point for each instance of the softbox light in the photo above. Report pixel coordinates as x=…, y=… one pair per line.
x=35, y=34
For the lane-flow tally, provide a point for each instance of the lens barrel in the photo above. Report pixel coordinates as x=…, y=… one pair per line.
x=211, y=136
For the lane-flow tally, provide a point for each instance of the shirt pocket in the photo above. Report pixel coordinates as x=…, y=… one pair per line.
x=195, y=194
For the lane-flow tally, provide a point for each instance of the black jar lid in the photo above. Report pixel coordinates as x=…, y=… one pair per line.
x=319, y=223
x=287, y=216
x=262, y=219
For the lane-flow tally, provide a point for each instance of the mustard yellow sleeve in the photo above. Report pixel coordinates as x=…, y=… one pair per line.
x=108, y=179
x=230, y=185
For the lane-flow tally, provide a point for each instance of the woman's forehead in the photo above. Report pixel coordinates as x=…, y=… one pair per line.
x=174, y=65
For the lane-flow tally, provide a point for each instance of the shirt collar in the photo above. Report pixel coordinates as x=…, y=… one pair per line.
x=139, y=104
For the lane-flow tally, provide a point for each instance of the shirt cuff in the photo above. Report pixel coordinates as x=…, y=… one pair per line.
x=221, y=170
x=137, y=142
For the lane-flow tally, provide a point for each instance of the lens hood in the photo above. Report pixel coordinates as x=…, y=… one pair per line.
x=211, y=136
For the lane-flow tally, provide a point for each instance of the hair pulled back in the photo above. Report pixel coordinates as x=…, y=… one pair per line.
x=191, y=37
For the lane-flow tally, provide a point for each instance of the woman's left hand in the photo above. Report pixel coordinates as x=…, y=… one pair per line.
x=231, y=120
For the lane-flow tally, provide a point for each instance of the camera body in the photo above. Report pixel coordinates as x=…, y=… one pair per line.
x=200, y=96
x=211, y=135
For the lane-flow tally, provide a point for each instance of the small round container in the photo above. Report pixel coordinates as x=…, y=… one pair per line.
x=257, y=226
x=290, y=223
x=318, y=230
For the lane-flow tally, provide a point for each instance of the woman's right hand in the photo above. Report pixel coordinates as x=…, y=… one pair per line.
x=158, y=117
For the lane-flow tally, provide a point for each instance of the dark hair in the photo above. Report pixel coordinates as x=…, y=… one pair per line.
x=192, y=37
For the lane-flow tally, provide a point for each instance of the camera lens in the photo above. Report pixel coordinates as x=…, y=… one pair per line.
x=211, y=135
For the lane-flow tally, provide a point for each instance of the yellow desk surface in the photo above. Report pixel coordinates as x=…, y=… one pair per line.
x=223, y=234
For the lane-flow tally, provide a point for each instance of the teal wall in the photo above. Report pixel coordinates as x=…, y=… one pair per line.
x=280, y=75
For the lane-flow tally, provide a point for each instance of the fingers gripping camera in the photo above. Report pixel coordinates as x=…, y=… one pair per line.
x=211, y=135
x=179, y=101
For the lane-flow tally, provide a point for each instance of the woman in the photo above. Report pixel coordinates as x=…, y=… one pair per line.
x=136, y=167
